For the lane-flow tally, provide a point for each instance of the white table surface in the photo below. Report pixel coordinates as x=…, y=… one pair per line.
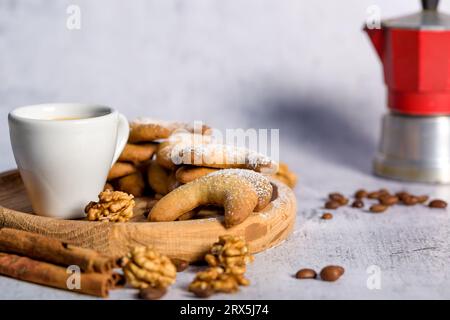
x=305, y=69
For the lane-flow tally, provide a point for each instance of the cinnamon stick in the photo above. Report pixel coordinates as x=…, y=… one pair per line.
x=23, y=268
x=51, y=250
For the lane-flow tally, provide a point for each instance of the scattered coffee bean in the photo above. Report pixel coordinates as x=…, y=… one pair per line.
x=151, y=293
x=438, y=204
x=378, y=208
x=344, y=201
x=422, y=199
x=388, y=200
x=358, y=204
x=335, y=196
x=384, y=197
x=331, y=204
x=361, y=193
x=410, y=200
x=306, y=274
x=373, y=195
x=331, y=273
x=327, y=216
x=180, y=264
x=402, y=195
x=338, y=197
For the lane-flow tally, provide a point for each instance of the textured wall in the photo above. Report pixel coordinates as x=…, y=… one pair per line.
x=302, y=66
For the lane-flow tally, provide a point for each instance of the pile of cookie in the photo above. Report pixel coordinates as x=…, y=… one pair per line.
x=184, y=170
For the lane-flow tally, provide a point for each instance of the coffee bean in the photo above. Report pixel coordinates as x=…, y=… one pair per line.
x=151, y=293
x=306, y=274
x=378, y=208
x=388, y=200
x=374, y=195
x=335, y=196
x=422, y=199
x=410, y=200
x=358, y=204
x=327, y=216
x=338, y=197
x=361, y=193
x=180, y=264
x=402, y=195
x=438, y=204
x=331, y=204
x=331, y=273
x=378, y=194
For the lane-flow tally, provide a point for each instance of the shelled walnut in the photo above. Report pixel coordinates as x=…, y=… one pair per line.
x=114, y=206
x=227, y=261
x=144, y=267
x=214, y=279
x=230, y=253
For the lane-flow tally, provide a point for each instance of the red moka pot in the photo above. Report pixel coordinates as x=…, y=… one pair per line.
x=415, y=53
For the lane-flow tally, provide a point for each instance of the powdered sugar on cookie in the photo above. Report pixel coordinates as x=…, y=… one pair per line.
x=183, y=138
x=239, y=191
x=219, y=154
x=260, y=183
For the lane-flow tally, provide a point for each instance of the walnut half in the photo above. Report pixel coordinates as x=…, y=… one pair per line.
x=114, y=206
x=214, y=279
x=230, y=253
x=227, y=261
x=144, y=267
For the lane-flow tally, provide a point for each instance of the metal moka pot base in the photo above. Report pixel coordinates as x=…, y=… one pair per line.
x=414, y=148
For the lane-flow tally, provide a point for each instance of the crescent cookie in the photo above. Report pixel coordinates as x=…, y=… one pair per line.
x=121, y=169
x=178, y=140
x=133, y=183
x=286, y=176
x=163, y=155
x=158, y=178
x=187, y=174
x=146, y=129
x=138, y=153
x=217, y=156
x=239, y=191
x=172, y=182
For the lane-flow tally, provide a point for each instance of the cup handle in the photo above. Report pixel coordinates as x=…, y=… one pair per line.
x=123, y=131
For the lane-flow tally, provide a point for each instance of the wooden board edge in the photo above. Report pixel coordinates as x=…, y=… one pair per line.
x=183, y=239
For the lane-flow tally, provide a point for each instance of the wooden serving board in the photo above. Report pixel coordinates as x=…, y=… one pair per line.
x=188, y=240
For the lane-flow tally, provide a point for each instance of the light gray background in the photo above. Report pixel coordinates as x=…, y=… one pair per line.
x=304, y=67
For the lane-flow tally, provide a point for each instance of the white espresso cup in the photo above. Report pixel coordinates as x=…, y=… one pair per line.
x=64, y=152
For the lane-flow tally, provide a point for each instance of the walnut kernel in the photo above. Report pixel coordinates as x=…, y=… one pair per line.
x=114, y=206
x=230, y=253
x=144, y=267
x=214, y=279
x=227, y=264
